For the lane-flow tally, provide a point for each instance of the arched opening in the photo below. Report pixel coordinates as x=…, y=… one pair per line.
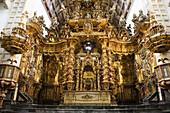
x=88, y=78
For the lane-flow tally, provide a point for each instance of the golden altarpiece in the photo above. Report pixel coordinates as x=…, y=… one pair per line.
x=89, y=58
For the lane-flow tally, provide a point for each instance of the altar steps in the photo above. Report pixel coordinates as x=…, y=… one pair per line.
x=156, y=108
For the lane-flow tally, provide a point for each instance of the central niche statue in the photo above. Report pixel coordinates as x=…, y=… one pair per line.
x=88, y=78
x=88, y=26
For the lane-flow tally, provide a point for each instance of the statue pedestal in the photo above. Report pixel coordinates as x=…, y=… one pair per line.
x=87, y=97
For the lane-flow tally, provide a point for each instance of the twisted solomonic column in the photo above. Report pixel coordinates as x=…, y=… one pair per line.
x=71, y=59
x=105, y=66
x=65, y=69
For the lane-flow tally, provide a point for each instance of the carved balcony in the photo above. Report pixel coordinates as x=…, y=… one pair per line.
x=163, y=75
x=8, y=79
x=16, y=43
x=157, y=40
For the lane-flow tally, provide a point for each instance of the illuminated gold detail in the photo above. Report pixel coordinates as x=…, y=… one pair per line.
x=116, y=66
